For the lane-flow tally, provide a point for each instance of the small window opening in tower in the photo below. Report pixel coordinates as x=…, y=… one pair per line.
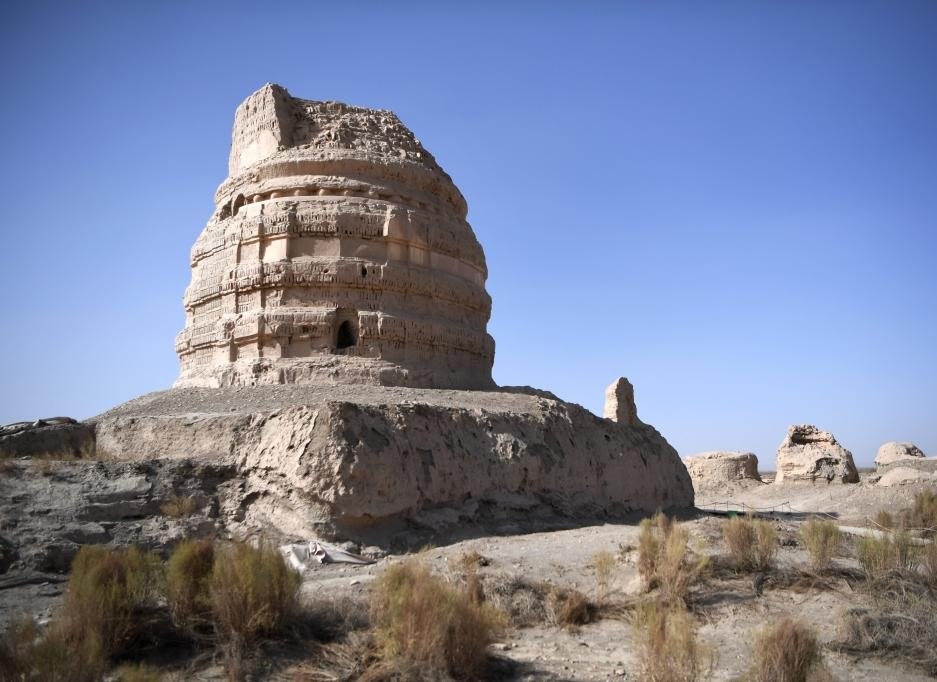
x=346, y=336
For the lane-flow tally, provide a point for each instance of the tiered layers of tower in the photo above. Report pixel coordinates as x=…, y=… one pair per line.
x=338, y=252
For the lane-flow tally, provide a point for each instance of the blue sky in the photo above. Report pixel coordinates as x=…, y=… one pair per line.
x=734, y=204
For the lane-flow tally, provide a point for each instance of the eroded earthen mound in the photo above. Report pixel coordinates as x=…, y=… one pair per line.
x=347, y=460
x=809, y=455
x=896, y=451
x=716, y=466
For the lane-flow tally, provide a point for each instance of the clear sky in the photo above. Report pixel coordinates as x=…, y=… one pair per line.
x=734, y=204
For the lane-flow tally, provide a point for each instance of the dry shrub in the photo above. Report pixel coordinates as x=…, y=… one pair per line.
x=906, y=553
x=253, y=592
x=603, y=563
x=766, y=544
x=332, y=617
x=420, y=620
x=822, y=539
x=101, y=615
x=471, y=561
x=527, y=603
x=677, y=567
x=351, y=658
x=884, y=519
x=106, y=592
x=114, y=600
x=179, y=507
x=880, y=555
x=902, y=624
x=28, y=654
x=738, y=534
x=667, y=648
x=786, y=652
x=188, y=578
x=874, y=555
x=664, y=558
x=569, y=608
x=649, y=544
x=243, y=591
x=522, y=601
x=17, y=649
x=923, y=513
x=750, y=543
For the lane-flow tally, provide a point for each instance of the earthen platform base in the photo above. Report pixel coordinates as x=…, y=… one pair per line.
x=349, y=461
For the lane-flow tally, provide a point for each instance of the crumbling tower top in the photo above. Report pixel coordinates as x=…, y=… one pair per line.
x=338, y=252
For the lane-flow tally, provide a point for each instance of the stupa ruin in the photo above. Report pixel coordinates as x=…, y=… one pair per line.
x=335, y=363
x=338, y=252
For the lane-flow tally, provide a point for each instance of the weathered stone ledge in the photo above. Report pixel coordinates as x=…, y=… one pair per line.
x=350, y=460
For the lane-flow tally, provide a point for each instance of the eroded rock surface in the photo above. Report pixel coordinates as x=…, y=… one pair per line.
x=56, y=437
x=717, y=466
x=49, y=508
x=810, y=455
x=619, y=402
x=895, y=451
x=338, y=253
x=346, y=461
x=907, y=470
x=902, y=475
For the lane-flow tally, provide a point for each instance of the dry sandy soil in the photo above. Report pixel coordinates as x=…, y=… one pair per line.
x=851, y=504
x=724, y=605
x=727, y=609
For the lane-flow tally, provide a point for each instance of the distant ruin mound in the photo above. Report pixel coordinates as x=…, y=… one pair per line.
x=810, y=455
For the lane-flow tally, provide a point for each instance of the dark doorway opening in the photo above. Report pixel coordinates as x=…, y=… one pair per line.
x=237, y=204
x=346, y=336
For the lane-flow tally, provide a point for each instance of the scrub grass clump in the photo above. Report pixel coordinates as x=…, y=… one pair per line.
x=665, y=560
x=106, y=597
x=420, y=620
x=179, y=506
x=569, y=608
x=667, y=646
x=787, y=651
x=822, y=539
x=253, y=593
x=901, y=622
x=108, y=606
x=889, y=552
x=603, y=563
x=28, y=653
x=188, y=577
x=923, y=513
x=751, y=544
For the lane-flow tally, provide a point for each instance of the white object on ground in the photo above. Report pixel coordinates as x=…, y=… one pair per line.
x=299, y=556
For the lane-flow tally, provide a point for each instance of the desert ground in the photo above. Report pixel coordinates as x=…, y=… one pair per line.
x=724, y=605
x=517, y=565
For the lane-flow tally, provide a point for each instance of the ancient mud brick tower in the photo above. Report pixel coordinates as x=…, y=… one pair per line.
x=338, y=252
